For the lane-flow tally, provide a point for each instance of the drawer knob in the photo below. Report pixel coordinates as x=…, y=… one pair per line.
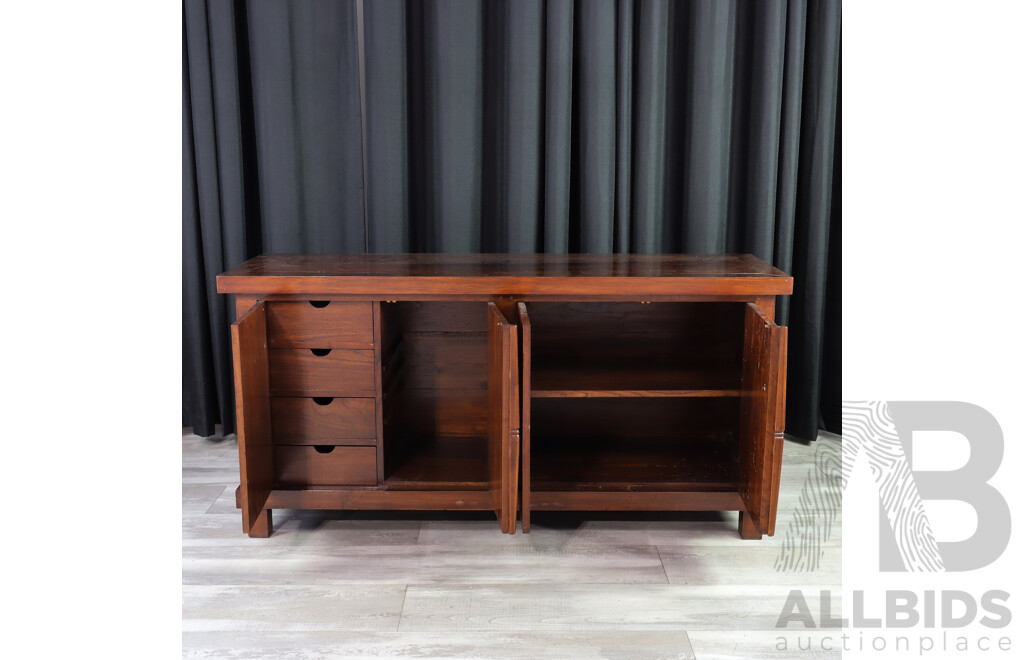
x=319, y=304
x=320, y=352
x=323, y=449
x=323, y=400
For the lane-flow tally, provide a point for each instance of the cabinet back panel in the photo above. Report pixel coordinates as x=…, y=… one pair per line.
x=443, y=370
x=435, y=316
x=633, y=417
x=695, y=335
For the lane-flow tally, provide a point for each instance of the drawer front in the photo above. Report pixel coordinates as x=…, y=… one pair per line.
x=315, y=325
x=323, y=420
x=325, y=466
x=321, y=372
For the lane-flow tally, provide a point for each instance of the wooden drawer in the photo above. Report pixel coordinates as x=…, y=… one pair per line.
x=321, y=372
x=323, y=324
x=324, y=466
x=323, y=420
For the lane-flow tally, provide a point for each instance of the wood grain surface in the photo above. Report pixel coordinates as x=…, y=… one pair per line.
x=386, y=275
x=323, y=420
x=323, y=373
x=320, y=324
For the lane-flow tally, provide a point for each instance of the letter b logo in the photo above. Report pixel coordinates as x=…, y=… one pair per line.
x=883, y=431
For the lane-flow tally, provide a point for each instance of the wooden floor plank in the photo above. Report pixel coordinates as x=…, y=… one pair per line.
x=291, y=608
x=299, y=529
x=746, y=565
x=316, y=563
x=580, y=529
x=556, y=607
x=197, y=498
x=647, y=644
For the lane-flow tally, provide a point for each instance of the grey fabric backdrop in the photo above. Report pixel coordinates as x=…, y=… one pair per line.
x=512, y=126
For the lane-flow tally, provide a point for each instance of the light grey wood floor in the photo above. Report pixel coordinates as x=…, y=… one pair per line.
x=365, y=584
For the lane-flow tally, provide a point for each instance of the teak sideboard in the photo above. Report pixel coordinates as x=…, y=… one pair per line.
x=512, y=383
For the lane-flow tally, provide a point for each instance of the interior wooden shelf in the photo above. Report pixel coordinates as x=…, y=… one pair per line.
x=632, y=464
x=441, y=463
x=630, y=379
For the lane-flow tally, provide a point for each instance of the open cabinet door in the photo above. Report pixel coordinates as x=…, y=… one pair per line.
x=503, y=416
x=525, y=353
x=762, y=421
x=252, y=411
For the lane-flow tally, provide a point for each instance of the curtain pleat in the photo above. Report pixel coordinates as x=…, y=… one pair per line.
x=593, y=126
x=387, y=122
x=814, y=210
x=650, y=187
x=558, y=134
x=522, y=134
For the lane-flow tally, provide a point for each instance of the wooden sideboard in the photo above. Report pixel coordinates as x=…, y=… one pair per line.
x=512, y=383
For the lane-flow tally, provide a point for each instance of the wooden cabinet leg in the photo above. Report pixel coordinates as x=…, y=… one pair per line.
x=262, y=526
x=748, y=530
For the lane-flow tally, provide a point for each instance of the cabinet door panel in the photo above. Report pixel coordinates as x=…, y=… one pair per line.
x=762, y=416
x=525, y=355
x=503, y=417
x=252, y=411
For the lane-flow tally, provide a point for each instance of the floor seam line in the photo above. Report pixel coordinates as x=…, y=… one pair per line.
x=661, y=560
x=401, y=610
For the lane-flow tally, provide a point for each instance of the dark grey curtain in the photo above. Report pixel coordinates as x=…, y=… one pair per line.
x=512, y=126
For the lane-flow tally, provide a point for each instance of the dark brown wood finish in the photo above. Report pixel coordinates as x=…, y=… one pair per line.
x=748, y=528
x=503, y=417
x=762, y=354
x=525, y=393
x=252, y=414
x=323, y=420
x=600, y=349
x=380, y=499
x=385, y=275
x=435, y=400
x=324, y=465
x=625, y=383
x=443, y=462
x=634, y=417
x=243, y=303
x=321, y=372
x=630, y=501
x=632, y=464
x=778, y=425
x=378, y=387
x=320, y=324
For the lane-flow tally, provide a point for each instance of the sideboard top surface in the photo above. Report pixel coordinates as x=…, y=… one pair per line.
x=506, y=274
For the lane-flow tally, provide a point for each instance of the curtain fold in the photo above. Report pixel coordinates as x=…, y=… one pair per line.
x=512, y=126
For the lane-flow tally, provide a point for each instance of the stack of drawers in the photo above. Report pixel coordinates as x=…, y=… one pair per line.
x=323, y=389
